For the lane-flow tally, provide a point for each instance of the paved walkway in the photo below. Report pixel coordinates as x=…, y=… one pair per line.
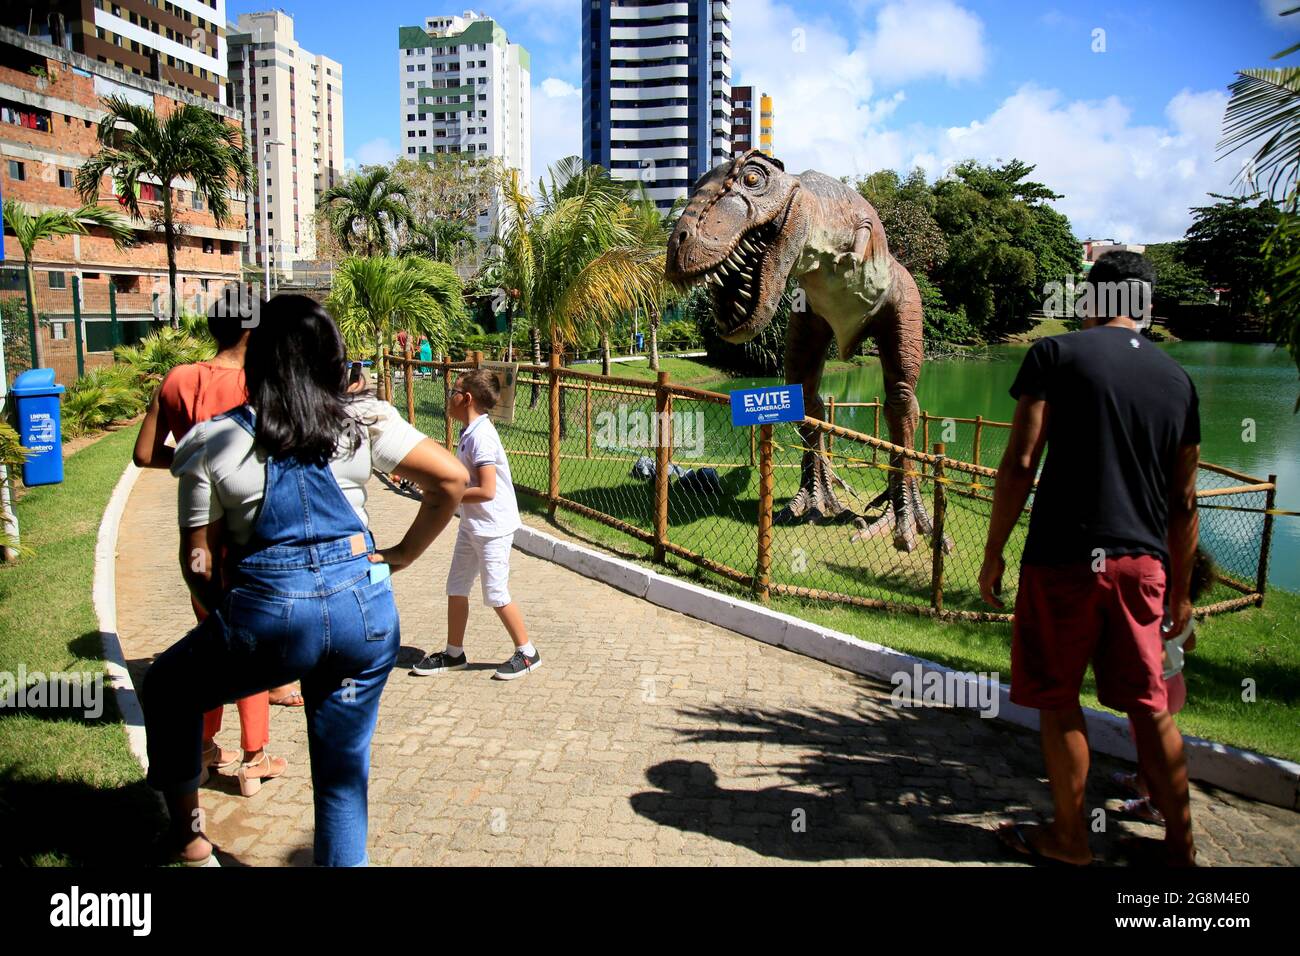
x=647, y=738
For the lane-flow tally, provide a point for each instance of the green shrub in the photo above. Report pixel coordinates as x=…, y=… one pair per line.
x=101, y=397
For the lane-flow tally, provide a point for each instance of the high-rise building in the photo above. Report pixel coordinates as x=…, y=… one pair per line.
x=465, y=89
x=180, y=42
x=292, y=103
x=656, y=90
x=743, y=125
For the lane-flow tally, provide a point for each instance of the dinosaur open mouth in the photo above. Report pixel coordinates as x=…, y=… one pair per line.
x=737, y=281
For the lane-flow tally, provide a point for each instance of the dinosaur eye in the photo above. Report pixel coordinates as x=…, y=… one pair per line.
x=752, y=178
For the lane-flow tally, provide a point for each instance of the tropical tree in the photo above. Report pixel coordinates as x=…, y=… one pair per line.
x=366, y=212
x=1224, y=243
x=30, y=229
x=576, y=255
x=189, y=143
x=374, y=298
x=1265, y=109
x=437, y=239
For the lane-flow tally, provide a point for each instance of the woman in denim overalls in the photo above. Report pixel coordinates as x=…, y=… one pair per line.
x=306, y=597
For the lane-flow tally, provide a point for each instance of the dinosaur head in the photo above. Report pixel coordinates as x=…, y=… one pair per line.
x=741, y=233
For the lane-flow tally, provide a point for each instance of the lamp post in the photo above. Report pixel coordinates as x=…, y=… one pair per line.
x=266, y=215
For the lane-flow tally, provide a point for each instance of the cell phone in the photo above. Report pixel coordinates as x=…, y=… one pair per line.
x=380, y=572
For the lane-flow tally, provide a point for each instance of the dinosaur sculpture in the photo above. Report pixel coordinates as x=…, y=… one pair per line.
x=747, y=228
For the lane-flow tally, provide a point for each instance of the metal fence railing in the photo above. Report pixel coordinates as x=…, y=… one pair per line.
x=662, y=465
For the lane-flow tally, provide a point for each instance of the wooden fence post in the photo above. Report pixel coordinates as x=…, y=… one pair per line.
x=763, y=569
x=830, y=437
x=925, y=430
x=1261, y=574
x=446, y=399
x=940, y=511
x=553, y=492
x=979, y=431
x=752, y=447
x=663, y=433
x=875, y=428
x=409, y=372
x=587, y=418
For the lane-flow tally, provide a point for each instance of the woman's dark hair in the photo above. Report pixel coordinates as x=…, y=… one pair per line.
x=297, y=382
x=226, y=318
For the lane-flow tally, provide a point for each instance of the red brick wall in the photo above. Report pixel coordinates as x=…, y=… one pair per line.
x=72, y=135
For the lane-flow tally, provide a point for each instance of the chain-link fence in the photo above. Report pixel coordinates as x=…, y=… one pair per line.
x=661, y=464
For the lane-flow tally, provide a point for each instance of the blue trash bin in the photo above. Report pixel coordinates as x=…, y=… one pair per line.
x=640, y=341
x=40, y=425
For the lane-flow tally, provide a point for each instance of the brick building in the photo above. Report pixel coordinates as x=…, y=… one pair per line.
x=50, y=106
x=178, y=42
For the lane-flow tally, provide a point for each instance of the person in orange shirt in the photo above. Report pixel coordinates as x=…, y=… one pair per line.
x=188, y=395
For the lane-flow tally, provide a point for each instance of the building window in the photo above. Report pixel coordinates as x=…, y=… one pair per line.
x=65, y=178
x=209, y=245
x=59, y=330
x=58, y=280
x=16, y=114
x=196, y=200
x=150, y=192
x=17, y=170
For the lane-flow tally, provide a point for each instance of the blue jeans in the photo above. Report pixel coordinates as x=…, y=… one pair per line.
x=295, y=612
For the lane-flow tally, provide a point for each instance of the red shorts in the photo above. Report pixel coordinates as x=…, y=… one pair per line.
x=1069, y=615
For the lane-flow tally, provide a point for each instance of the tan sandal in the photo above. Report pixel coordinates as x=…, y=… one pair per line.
x=291, y=698
x=266, y=767
x=212, y=761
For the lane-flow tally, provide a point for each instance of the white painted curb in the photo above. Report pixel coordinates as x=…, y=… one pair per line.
x=1259, y=777
x=104, y=598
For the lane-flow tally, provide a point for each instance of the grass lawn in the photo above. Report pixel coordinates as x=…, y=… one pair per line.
x=71, y=792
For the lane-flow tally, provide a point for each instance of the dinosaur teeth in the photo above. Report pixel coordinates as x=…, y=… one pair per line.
x=745, y=293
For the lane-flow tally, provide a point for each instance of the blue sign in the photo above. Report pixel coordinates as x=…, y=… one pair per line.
x=763, y=406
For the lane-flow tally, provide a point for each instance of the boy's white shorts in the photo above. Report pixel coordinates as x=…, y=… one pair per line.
x=485, y=558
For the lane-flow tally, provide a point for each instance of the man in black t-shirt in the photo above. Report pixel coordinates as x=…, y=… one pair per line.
x=1115, y=506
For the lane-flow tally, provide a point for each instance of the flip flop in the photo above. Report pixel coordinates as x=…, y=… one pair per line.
x=1141, y=808
x=1013, y=836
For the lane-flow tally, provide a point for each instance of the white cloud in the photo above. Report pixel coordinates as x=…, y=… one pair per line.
x=1121, y=179
x=371, y=153
x=915, y=39
x=557, y=123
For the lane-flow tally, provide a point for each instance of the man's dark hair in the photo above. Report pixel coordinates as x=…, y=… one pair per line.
x=483, y=386
x=226, y=318
x=1114, y=270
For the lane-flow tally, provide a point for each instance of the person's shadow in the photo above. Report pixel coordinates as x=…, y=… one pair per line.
x=880, y=783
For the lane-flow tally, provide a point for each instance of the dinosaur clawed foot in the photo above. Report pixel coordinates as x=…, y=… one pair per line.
x=817, y=502
x=904, y=514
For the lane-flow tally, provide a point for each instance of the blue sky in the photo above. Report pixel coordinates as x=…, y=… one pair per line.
x=1123, y=122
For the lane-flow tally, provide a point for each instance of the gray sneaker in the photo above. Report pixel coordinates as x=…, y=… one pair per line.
x=519, y=665
x=440, y=663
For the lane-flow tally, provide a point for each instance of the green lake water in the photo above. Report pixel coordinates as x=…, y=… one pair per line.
x=1236, y=383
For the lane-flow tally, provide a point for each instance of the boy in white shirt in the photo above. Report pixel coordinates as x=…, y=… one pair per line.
x=489, y=518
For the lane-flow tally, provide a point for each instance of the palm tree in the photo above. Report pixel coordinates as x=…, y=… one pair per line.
x=1265, y=106
x=375, y=297
x=367, y=211
x=437, y=239
x=575, y=256
x=654, y=228
x=30, y=229
x=190, y=143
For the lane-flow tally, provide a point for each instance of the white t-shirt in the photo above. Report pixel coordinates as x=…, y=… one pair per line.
x=480, y=445
x=221, y=476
